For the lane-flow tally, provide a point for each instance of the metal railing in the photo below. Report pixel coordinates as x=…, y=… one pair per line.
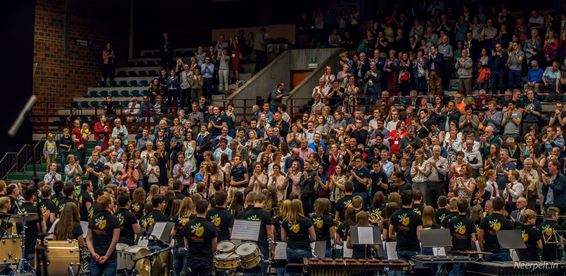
x=7, y=163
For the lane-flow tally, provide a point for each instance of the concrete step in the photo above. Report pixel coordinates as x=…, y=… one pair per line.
x=156, y=52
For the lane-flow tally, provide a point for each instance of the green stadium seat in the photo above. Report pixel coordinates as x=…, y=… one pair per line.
x=142, y=73
x=113, y=84
x=153, y=73
x=103, y=93
x=132, y=73
x=84, y=104
x=115, y=93
x=135, y=93
x=145, y=93
x=144, y=83
x=123, y=83
x=124, y=103
x=125, y=93
x=96, y=104
x=121, y=74
x=133, y=83
x=92, y=93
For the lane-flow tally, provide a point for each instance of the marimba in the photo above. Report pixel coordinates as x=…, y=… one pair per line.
x=350, y=267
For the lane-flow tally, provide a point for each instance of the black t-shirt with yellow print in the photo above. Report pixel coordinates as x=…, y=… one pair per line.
x=491, y=225
x=199, y=233
x=137, y=209
x=550, y=238
x=150, y=219
x=127, y=219
x=461, y=229
x=222, y=220
x=298, y=233
x=405, y=223
x=322, y=225
x=418, y=209
x=343, y=203
x=531, y=235
x=85, y=214
x=374, y=214
x=181, y=222
x=102, y=226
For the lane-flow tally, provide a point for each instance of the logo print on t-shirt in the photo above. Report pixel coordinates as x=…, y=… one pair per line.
x=295, y=228
x=525, y=236
x=495, y=225
x=197, y=230
x=100, y=222
x=216, y=220
x=547, y=230
x=404, y=219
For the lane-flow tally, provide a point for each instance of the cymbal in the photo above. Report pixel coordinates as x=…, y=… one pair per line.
x=22, y=218
x=143, y=266
x=160, y=265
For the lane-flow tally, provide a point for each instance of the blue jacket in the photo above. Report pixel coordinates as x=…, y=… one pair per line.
x=558, y=187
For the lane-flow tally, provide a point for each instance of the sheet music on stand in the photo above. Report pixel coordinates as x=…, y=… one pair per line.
x=84, y=226
x=318, y=249
x=245, y=230
x=391, y=248
x=365, y=235
x=162, y=230
x=280, y=251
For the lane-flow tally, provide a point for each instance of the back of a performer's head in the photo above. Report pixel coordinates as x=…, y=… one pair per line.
x=68, y=190
x=220, y=198
x=202, y=207
x=58, y=187
x=462, y=205
x=407, y=197
x=156, y=200
x=45, y=191
x=30, y=192
x=442, y=201
x=349, y=187
x=123, y=200
x=497, y=204
x=104, y=202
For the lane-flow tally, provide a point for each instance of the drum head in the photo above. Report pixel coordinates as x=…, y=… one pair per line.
x=226, y=256
x=246, y=248
x=121, y=246
x=225, y=246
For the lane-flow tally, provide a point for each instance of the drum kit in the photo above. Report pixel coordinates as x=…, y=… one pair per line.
x=230, y=257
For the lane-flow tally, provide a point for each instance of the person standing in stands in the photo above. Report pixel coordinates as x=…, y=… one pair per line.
x=108, y=60
x=200, y=241
x=489, y=226
x=207, y=70
x=102, y=237
x=260, y=51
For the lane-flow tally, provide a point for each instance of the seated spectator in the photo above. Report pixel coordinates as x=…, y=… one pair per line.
x=534, y=77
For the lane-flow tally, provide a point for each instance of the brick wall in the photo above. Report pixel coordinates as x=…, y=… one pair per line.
x=61, y=76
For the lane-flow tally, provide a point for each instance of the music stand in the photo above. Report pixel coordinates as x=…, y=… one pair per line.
x=280, y=251
x=245, y=230
x=84, y=226
x=162, y=231
x=365, y=235
x=436, y=238
x=319, y=249
x=510, y=239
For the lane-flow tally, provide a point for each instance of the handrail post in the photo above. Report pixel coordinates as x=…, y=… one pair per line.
x=245, y=108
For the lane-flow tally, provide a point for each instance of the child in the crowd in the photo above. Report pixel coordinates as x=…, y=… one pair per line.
x=50, y=150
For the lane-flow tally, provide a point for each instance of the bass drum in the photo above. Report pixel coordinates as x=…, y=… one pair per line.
x=62, y=256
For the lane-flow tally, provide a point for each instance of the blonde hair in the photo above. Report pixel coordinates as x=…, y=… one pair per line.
x=428, y=216
x=527, y=215
x=187, y=207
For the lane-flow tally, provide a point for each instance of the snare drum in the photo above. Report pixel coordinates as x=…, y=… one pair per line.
x=226, y=261
x=132, y=253
x=225, y=247
x=10, y=250
x=62, y=255
x=122, y=257
x=249, y=254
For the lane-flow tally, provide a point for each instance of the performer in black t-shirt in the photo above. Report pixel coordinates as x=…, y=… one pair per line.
x=220, y=217
x=5, y=226
x=463, y=232
x=156, y=215
x=531, y=236
x=258, y=213
x=32, y=232
x=129, y=226
x=102, y=237
x=200, y=241
x=85, y=201
x=548, y=229
x=344, y=202
x=69, y=225
x=489, y=226
x=298, y=231
x=323, y=224
x=47, y=206
x=68, y=196
x=405, y=226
